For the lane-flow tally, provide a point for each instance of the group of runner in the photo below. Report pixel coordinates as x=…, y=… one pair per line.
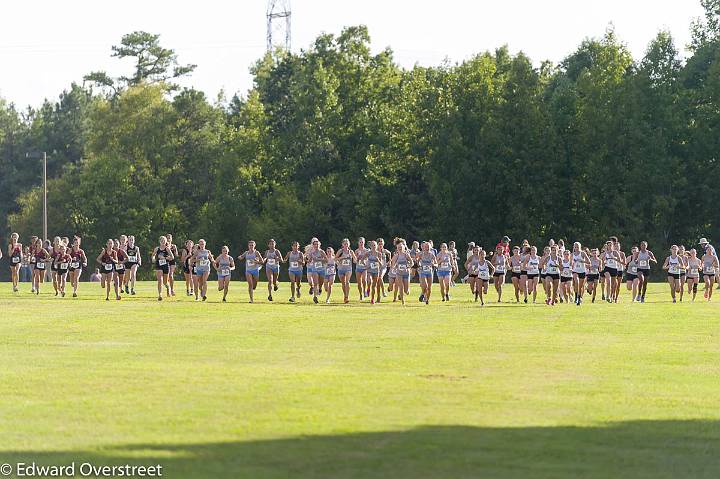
x=565, y=275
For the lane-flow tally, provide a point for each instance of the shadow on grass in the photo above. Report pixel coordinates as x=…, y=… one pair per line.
x=636, y=449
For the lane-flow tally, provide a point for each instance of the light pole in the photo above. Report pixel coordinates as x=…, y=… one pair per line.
x=36, y=156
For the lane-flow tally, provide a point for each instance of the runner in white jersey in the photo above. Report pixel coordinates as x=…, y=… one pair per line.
x=694, y=267
x=552, y=264
x=580, y=264
x=502, y=264
x=515, y=271
x=532, y=267
x=672, y=266
x=620, y=268
x=361, y=266
x=544, y=281
x=682, y=254
x=644, y=261
x=610, y=259
x=566, y=276
x=631, y=273
x=710, y=269
x=593, y=275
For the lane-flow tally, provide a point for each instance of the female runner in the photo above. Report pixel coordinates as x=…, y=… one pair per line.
x=185, y=255
x=316, y=258
x=62, y=264
x=134, y=261
x=543, y=274
x=454, y=254
x=501, y=264
x=361, y=275
x=374, y=258
x=78, y=262
x=610, y=259
x=224, y=264
x=402, y=261
x=552, y=263
x=710, y=268
x=531, y=266
x=41, y=255
x=330, y=271
x=107, y=260
x=160, y=257
x=444, y=270
x=385, y=256
x=694, y=266
x=485, y=271
x=566, y=276
x=15, y=252
x=672, y=266
x=414, y=252
x=645, y=257
x=120, y=268
x=631, y=273
x=345, y=258
x=296, y=260
x=172, y=265
x=593, y=277
x=580, y=264
x=620, y=269
x=253, y=263
x=54, y=251
x=682, y=254
x=273, y=257
x=516, y=262
x=201, y=260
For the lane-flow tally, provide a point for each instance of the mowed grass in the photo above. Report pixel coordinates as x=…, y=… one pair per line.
x=276, y=390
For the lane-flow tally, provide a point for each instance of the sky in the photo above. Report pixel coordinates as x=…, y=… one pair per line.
x=45, y=45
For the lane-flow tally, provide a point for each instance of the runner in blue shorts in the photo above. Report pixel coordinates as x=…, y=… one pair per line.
x=253, y=263
x=296, y=260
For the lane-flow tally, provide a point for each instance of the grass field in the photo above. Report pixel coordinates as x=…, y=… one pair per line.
x=237, y=390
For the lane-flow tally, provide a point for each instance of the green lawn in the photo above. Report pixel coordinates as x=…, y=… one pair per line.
x=237, y=390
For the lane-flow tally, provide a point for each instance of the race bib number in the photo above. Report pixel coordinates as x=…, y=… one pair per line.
x=709, y=270
x=426, y=268
x=15, y=260
x=224, y=271
x=402, y=268
x=33, y=259
x=500, y=268
x=162, y=261
x=132, y=259
x=474, y=268
x=633, y=269
x=374, y=265
x=271, y=262
x=346, y=262
x=250, y=264
x=516, y=269
x=294, y=265
x=445, y=265
x=673, y=269
x=330, y=270
x=204, y=262
x=484, y=275
x=40, y=266
x=610, y=263
x=552, y=270
x=75, y=265
x=694, y=271
x=63, y=266
x=318, y=265
x=108, y=266
x=643, y=263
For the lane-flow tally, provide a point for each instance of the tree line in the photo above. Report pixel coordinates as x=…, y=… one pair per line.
x=336, y=141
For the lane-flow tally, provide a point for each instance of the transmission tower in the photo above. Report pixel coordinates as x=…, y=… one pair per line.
x=278, y=24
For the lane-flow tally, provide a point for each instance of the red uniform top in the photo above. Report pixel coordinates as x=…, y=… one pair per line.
x=505, y=247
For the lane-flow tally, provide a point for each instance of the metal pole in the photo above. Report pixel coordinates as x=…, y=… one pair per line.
x=45, y=233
